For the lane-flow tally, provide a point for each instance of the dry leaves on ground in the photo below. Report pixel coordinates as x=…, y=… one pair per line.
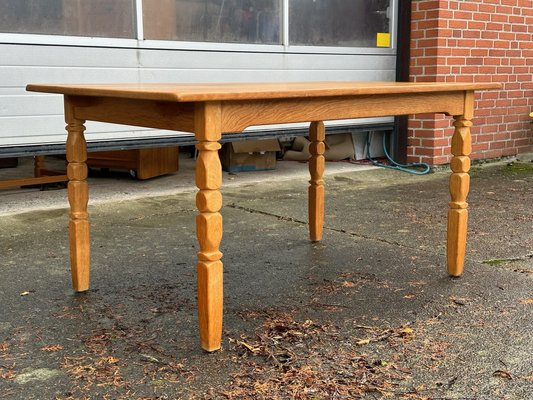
x=306, y=360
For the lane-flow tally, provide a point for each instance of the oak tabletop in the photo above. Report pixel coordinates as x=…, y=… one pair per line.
x=200, y=92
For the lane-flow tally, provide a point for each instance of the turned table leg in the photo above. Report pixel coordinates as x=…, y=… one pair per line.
x=78, y=197
x=317, y=135
x=459, y=186
x=209, y=225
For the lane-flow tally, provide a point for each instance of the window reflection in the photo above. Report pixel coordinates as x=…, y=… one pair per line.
x=103, y=18
x=348, y=23
x=229, y=21
x=345, y=23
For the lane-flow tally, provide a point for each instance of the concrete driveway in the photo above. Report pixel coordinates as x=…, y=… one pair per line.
x=367, y=313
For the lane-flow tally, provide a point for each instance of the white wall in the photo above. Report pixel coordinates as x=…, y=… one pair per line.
x=32, y=118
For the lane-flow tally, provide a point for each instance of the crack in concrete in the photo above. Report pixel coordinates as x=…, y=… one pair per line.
x=381, y=240
x=338, y=230
x=162, y=214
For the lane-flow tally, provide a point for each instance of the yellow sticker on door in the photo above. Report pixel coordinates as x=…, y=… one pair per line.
x=383, y=39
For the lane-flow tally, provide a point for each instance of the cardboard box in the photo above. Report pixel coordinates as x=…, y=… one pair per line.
x=249, y=155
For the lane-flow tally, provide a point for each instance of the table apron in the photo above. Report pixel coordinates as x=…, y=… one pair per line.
x=238, y=115
x=144, y=113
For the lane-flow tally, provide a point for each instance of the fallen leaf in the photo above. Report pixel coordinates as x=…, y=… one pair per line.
x=409, y=296
x=249, y=347
x=362, y=342
x=148, y=357
x=459, y=301
x=348, y=284
x=365, y=327
x=502, y=374
x=25, y=293
x=52, y=348
x=10, y=374
x=406, y=330
x=527, y=301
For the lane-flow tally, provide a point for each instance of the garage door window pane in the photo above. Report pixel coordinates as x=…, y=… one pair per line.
x=103, y=18
x=346, y=23
x=228, y=21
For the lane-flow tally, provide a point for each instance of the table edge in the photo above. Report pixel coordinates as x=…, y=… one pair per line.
x=129, y=91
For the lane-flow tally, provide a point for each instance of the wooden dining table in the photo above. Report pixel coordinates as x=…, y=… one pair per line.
x=210, y=110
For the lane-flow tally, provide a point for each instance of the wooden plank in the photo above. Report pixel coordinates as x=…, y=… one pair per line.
x=41, y=180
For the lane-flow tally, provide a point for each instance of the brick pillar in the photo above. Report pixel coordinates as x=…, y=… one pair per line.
x=474, y=41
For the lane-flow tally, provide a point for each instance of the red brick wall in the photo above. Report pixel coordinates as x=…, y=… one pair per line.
x=474, y=41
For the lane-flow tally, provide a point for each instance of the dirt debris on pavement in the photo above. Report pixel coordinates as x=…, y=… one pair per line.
x=367, y=313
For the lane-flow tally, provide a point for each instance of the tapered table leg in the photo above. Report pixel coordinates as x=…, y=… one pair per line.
x=209, y=225
x=459, y=187
x=78, y=197
x=317, y=135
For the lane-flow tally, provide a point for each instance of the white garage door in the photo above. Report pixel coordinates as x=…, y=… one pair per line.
x=119, y=41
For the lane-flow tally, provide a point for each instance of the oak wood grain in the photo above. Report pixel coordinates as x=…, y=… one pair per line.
x=209, y=225
x=237, y=115
x=148, y=114
x=459, y=187
x=192, y=92
x=78, y=197
x=317, y=161
x=213, y=109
